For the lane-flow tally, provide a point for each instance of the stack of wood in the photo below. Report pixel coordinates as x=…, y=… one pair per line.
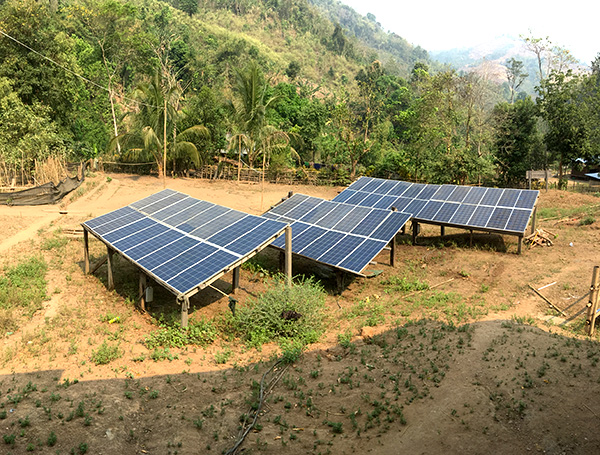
x=541, y=237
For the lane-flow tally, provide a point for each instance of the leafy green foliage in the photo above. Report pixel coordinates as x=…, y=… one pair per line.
x=106, y=353
x=263, y=319
x=201, y=333
x=22, y=288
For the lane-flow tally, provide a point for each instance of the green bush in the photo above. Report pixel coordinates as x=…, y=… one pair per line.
x=106, y=353
x=200, y=333
x=24, y=285
x=263, y=320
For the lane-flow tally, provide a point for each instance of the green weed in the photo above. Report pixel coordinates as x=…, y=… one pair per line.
x=106, y=353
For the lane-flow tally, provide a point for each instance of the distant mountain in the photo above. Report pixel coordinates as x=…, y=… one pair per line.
x=490, y=58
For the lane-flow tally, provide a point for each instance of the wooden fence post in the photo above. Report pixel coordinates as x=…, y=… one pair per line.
x=593, y=302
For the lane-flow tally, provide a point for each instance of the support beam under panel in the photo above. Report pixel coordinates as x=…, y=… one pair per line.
x=86, y=252
x=185, y=307
x=142, y=291
x=235, y=282
x=109, y=256
x=288, y=255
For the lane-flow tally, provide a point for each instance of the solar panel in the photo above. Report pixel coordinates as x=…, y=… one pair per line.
x=181, y=241
x=340, y=234
x=446, y=204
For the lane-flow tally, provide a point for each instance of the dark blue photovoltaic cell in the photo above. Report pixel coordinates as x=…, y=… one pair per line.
x=161, y=204
x=154, y=243
x=370, y=223
x=499, y=218
x=202, y=271
x=414, y=190
x=431, y=208
x=344, y=196
x=306, y=237
x=177, y=264
x=509, y=198
x=481, y=216
x=518, y=221
x=371, y=200
x=444, y=192
x=390, y=227
x=180, y=206
x=255, y=238
x=357, y=197
x=202, y=218
x=140, y=237
x=214, y=226
x=446, y=212
x=185, y=215
x=459, y=193
x=318, y=212
x=344, y=247
x=304, y=208
x=475, y=195
x=386, y=202
x=463, y=214
x=117, y=223
x=235, y=230
x=351, y=220
x=111, y=216
x=297, y=229
x=129, y=229
x=362, y=255
x=386, y=186
x=428, y=192
x=491, y=196
x=335, y=215
x=415, y=207
x=152, y=198
x=401, y=203
x=399, y=189
x=162, y=254
x=322, y=244
x=289, y=204
x=360, y=183
x=372, y=186
x=527, y=199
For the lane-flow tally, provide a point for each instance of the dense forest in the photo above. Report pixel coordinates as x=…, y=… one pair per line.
x=277, y=85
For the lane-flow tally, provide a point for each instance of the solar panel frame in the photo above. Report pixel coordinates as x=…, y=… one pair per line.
x=164, y=250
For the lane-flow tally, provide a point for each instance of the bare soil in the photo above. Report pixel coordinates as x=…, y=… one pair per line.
x=476, y=364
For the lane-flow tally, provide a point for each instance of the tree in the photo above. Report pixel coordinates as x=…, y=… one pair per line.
x=153, y=132
x=517, y=143
x=560, y=101
x=515, y=76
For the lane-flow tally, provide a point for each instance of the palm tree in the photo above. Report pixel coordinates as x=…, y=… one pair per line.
x=153, y=133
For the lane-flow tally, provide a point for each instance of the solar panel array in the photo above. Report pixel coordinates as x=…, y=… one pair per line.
x=337, y=234
x=181, y=241
x=497, y=209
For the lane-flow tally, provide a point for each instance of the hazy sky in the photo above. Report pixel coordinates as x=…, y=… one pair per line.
x=445, y=24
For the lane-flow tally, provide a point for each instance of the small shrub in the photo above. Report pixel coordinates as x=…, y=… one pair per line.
x=223, y=356
x=106, y=353
x=51, y=439
x=587, y=221
x=264, y=319
x=201, y=333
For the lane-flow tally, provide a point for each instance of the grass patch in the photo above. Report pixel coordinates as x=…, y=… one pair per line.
x=200, y=333
x=282, y=312
x=403, y=284
x=22, y=287
x=106, y=353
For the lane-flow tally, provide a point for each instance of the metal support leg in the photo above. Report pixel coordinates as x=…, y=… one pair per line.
x=185, y=307
x=142, y=291
x=109, y=255
x=393, y=252
x=520, y=247
x=235, y=282
x=442, y=231
x=86, y=252
x=288, y=255
x=415, y=228
x=533, y=220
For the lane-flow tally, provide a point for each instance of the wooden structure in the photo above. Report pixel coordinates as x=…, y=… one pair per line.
x=592, y=305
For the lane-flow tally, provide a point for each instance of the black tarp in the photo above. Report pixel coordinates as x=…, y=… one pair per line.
x=48, y=193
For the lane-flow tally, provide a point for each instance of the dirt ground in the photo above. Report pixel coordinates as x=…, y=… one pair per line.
x=476, y=364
